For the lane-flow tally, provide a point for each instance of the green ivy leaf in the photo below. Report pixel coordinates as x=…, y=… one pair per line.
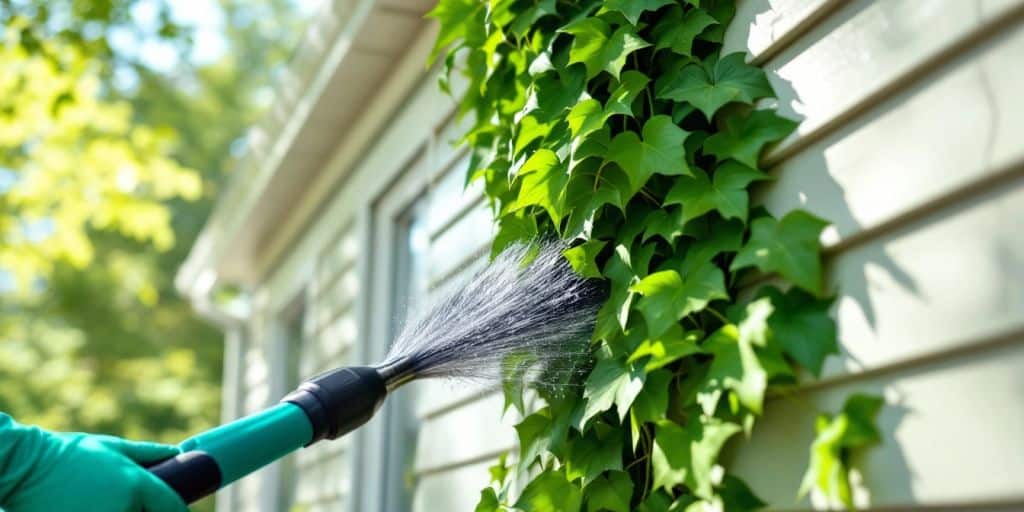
x=657, y=501
x=723, y=11
x=533, y=437
x=611, y=383
x=610, y=493
x=667, y=348
x=666, y=223
x=590, y=35
x=554, y=92
x=802, y=326
x=598, y=48
x=524, y=22
x=736, y=495
x=529, y=131
x=614, y=314
x=725, y=192
x=499, y=471
x=459, y=19
x=650, y=404
x=631, y=84
x=590, y=456
x=837, y=439
x=550, y=492
x=514, y=368
x=543, y=179
x=686, y=455
x=592, y=185
x=586, y=117
x=632, y=9
x=488, y=501
x=735, y=365
x=582, y=258
x=677, y=30
x=593, y=146
x=729, y=79
x=743, y=138
x=661, y=151
x=512, y=228
x=788, y=246
x=712, y=237
x=862, y=411
x=668, y=296
x=623, y=42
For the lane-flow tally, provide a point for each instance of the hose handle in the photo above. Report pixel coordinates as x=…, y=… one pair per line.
x=194, y=475
x=327, y=406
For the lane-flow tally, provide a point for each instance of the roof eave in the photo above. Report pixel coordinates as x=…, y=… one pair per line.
x=346, y=53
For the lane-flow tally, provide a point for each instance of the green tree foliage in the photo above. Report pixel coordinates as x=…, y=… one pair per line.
x=621, y=127
x=105, y=186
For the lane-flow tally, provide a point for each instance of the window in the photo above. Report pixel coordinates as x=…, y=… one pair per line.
x=396, y=246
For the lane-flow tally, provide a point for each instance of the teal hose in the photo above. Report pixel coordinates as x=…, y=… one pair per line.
x=327, y=406
x=269, y=435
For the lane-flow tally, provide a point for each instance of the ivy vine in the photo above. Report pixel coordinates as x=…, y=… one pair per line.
x=619, y=126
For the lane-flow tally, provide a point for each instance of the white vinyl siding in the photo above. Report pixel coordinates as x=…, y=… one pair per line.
x=322, y=471
x=909, y=143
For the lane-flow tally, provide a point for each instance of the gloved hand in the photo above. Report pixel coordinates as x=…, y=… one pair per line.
x=43, y=471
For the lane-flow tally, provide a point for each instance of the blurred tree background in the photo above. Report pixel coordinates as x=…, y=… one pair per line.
x=118, y=123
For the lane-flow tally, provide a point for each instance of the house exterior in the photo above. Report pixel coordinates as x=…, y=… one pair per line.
x=349, y=209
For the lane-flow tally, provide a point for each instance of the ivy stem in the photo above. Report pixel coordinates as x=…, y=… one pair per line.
x=637, y=461
x=692, y=321
x=597, y=175
x=647, y=473
x=718, y=315
x=647, y=195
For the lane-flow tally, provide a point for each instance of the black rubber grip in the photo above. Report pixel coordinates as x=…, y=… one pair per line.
x=340, y=400
x=193, y=475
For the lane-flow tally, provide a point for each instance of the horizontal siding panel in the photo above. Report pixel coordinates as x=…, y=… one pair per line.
x=339, y=335
x=862, y=50
x=449, y=198
x=466, y=238
x=338, y=255
x=338, y=298
x=457, y=490
x=950, y=279
x=446, y=147
x=763, y=26
x=926, y=143
x=319, y=452
x=434, y=396
x=953, y=435
x=465, y=434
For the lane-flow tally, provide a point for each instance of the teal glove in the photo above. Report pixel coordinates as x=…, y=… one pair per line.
x=43, y=471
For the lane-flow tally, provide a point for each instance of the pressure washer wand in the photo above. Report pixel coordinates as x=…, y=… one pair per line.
x=537, y=315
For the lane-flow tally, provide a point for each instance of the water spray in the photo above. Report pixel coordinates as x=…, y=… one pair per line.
x=526, y=313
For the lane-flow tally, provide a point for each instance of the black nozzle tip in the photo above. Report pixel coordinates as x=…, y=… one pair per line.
x=340, y=400
x=398, y=372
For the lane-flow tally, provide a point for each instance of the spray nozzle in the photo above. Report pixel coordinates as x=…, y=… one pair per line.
x=340, y=400
x=396, y=373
